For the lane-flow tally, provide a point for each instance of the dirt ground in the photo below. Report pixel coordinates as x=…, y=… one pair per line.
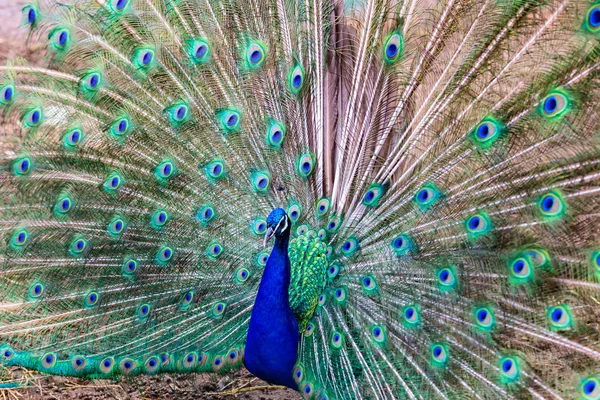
x=241, y=385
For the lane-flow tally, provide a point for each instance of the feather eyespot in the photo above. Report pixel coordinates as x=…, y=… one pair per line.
x=164, y=255
x=120, y=127
x=165, y=170
x=159, y=219
x=241, y=275
x=261, y=181
x=7, y=93
x=593, y=19
x=439, y=354
x=403, y=245
x=106, y=365
x=447, y=279
x=199, y=50
x=19, y=238
x=119, y=5
x=305, y=165
x=30, y=14
x=294, y=211
x=78, y=247
x=143, y=311
x=48, y=360
x=427, y=196
x=322, y=207
x=130, y=266
x=590, y=387
x=350, y=246
x=552, y=205
x=60, y=38
x=275, y=134
x=116, y=227
x=556, y=104
x=484, y=318
x=143, y=58
x=206, y=214
x=478, y=225
x=411, y=316
x=78, y=363
x=33, y=117
x=152, y=364
x=373, y=195
x=91, y=81
x=214, y=250
x=394, y=47
x=296, y=79
x=218, y=309
x=340, y=295
x=36, y=290
x=255, y=55
x=560, y=317
x=509, y=369
x=21, y=166
x=91, y=299
x=261, y=258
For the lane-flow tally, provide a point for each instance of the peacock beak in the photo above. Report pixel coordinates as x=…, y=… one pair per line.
x=268, y=236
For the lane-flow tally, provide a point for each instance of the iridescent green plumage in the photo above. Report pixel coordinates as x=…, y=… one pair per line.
x=439, y=163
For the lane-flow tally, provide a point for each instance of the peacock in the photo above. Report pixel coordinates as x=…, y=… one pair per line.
x=355, y=199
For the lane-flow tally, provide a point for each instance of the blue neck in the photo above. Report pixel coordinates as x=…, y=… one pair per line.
x=272, y=343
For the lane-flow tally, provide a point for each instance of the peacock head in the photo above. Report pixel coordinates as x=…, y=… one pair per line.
x=278, y=223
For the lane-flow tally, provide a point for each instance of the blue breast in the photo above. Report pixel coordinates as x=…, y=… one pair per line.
x=272, y=342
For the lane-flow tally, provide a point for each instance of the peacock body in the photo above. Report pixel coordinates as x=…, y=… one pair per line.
x=428, y=173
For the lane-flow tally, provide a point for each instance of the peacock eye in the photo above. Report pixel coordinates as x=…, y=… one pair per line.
x=199, y=50
x=487, y=133
x=120, y=127
x=373, y=195
x=214, y=250
x=590, y=388
x=560, y=317
x=165, y=170
x=91, y=299
x=143, y=311
x=337, y=339
x=484, y=318
x=447, y=279
x=130, y=266
x=178, y=114
x=91, y=81
x=30, y=14
x=520, y=270
x=119, y=5
x=349, y=247
x=294, y=212
x=33, y=117
x=113, y=182
x=255, y=55
x=21, y=166
x=552, y=205
x=230, y=120
x=593, y=19
x=509, y=368
x=275, y=134
x=305, y=165
x=296, y=79
x=411, y=316
x=555, y=105
x=60, y=38
x=159, y=219
x=478, y=225
x=403, y=244
x=322, y=207
x=260, y=181
x=439, y=354
x=215, y=170
x=394, y=46
x=7, y=93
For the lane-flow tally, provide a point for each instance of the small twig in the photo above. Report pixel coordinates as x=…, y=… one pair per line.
x=243, y=390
